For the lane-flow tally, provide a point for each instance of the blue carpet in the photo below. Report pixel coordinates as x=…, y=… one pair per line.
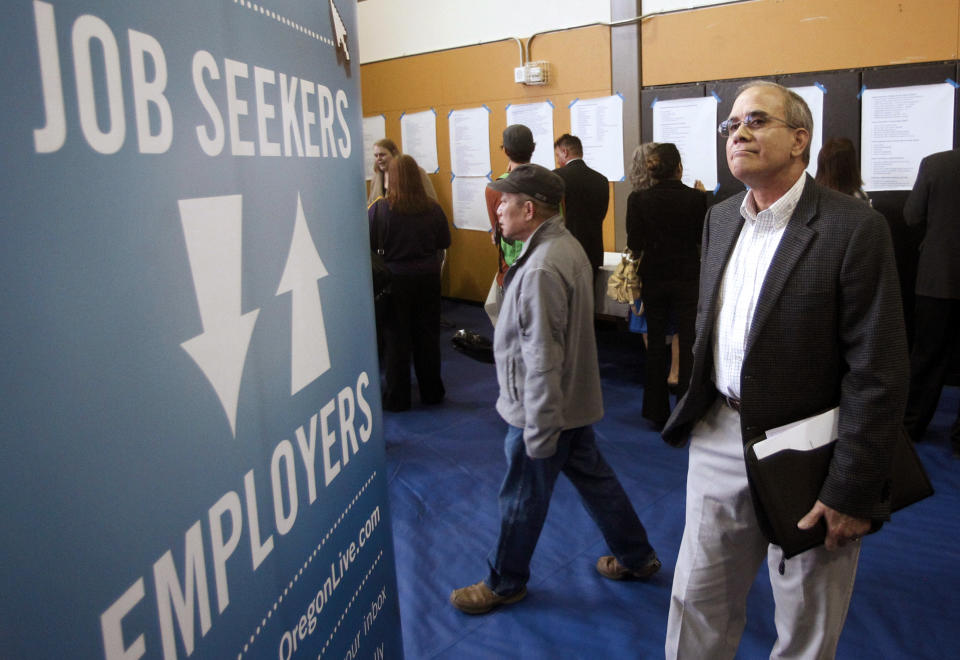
x=445, y=464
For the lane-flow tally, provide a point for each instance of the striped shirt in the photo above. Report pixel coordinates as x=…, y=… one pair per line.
x=743, y=280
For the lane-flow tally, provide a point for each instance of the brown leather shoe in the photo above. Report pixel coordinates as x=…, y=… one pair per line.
x=609, y=567
x=479, y=598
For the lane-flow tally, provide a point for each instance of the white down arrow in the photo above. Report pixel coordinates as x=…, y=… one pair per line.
x=212, y=227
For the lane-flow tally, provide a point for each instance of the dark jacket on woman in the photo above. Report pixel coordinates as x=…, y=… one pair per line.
x=410, y=316
x=411, y=242
x=665, y=222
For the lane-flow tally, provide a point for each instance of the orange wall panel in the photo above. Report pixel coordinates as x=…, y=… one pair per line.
x=770, y=37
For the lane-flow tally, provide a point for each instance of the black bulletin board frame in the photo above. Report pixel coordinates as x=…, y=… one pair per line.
x=841, y=105
x=841, y=118
x=906, y=241
x=652, y=94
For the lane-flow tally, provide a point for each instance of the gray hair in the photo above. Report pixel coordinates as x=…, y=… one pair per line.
x=640, y=177
x=542, y=210
x=795, y=109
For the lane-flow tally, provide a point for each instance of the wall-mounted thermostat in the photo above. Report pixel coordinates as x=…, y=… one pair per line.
x=532, y=73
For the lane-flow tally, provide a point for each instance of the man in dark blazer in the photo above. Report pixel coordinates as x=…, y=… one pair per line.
x=586, y=199
x=799, y=312
x=934, y=207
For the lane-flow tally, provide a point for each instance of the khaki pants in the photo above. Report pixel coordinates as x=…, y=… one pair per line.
x=721, y=552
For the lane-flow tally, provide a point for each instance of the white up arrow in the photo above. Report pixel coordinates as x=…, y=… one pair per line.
x=212, y=228
x=309, y=356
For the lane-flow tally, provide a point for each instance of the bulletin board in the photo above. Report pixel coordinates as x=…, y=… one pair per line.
x=651, y=95
x=483, y=75
x=841, y=118
x=841, y=107
x=890, y=203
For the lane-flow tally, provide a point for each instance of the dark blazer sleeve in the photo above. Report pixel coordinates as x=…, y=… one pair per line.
x=873, y=389
x=603, y=187
x=933, y=207
x=828, y=331
x=915, y=209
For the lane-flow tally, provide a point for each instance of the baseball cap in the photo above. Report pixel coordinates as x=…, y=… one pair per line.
x=534, y=180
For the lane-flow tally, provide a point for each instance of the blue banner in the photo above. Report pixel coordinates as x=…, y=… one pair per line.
x=193, y=461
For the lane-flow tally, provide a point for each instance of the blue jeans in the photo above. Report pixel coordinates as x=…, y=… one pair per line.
x=525, y=497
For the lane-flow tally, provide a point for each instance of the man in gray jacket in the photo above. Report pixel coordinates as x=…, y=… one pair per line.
x=549, y=381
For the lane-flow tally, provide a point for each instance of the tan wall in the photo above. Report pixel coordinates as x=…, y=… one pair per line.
x=475, y=75
x=770, y=37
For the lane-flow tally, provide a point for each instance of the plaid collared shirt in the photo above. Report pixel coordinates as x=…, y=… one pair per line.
x=743, y=280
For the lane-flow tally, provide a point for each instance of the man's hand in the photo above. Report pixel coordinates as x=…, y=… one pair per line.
x=841, y=528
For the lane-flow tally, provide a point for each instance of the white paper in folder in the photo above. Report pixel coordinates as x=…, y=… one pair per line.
x=802, y=435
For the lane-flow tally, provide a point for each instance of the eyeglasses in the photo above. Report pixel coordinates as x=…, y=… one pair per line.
x=754, y=122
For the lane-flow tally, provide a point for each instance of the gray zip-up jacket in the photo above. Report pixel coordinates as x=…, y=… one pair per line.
x=544, y=344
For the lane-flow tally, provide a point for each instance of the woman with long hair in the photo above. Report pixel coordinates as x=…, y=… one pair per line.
x=838, y=168
x=664, y=223
x=640, y=179
x=384, y=151
x=412, y=230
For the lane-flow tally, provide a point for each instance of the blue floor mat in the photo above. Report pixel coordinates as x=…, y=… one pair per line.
x=445, y=464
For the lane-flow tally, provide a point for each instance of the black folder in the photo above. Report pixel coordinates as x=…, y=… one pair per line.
x=787, y=484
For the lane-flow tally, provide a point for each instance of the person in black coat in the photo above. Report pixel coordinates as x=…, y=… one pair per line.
x=586, y=198
x=934, y=207
x=664, y=224
x=415, y=233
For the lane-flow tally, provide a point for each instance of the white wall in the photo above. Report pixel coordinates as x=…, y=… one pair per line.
x=395, y=28
x=656, y=6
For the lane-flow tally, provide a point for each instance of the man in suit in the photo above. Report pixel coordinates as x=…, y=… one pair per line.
x=586, y=199
x=934, y=207
x=799, y=312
